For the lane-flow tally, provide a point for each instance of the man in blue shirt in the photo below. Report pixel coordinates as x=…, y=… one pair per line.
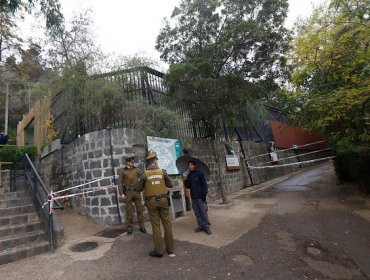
x=3, y=138
x=197, y=184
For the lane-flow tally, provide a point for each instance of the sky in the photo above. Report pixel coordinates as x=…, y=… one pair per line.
x=127, y=27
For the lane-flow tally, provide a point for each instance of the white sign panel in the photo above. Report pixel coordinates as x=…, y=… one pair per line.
x=232, y=162
x=168, y=150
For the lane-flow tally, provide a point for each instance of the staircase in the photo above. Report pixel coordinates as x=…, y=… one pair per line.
x=21, y=232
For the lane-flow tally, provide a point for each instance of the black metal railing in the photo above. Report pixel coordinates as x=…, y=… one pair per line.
x=40, y=193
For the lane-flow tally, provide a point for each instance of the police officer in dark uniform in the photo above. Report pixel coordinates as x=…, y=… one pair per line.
x=155, y=182
x=129, y=186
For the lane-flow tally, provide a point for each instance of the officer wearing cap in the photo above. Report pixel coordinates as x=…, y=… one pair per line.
x=155, y=182
x=129, y=186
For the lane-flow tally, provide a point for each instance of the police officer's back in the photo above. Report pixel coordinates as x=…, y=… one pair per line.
x=155, y=182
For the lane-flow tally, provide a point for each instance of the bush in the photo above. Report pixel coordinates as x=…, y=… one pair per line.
x=13, y=153
x=352, y=164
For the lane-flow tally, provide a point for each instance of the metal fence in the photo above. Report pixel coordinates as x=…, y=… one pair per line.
x=146, y=85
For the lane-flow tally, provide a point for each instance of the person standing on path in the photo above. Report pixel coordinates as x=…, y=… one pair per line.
x=129, y=186
x=155, y=182
x=3, y=138
x=196, y=182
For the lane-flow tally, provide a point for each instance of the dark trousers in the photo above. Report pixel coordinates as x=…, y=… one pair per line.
x=201, y=212
x=159, y=212
x=134, y=197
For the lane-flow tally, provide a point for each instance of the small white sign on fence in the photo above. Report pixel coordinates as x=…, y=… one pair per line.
x=232, y=162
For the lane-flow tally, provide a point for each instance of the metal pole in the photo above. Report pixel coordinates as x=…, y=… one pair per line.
x=114, y=174
x=6, y=109
x=51, y=228
x=295, y=149
x=244, y=156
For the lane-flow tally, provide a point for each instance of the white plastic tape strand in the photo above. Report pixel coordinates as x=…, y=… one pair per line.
x=81, y=185
x=291, y=164
x=279, y=151
x=295, y=156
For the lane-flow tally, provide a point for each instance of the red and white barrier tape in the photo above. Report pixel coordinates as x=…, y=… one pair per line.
x=52, y=197
x=84, y=184
x=295, y=156
x=279, y=151
x=291, y=164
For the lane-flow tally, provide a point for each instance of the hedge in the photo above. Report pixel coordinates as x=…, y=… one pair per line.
x=353, y=164
x=14, y=153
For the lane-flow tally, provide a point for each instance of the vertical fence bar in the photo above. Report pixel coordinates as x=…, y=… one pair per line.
x=51, y=237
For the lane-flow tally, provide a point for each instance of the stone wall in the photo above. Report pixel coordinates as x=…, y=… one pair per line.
x=5, y=181
x=89, y=158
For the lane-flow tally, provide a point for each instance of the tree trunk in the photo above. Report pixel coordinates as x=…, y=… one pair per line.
x=221, y=172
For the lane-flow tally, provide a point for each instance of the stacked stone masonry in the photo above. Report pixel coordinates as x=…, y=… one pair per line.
x=89, y=158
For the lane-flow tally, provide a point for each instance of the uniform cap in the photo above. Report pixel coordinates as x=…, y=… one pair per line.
x=151, y=154
x=129, y=157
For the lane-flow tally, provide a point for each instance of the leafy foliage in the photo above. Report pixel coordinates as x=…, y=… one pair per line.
x=73, y=43
x=13, y=153
x=49, y=8
x=10, y=42
x=95, y=99
x=208, y=98
x=331, y=61
x=222, y=55
x=235, y=36
x=352, y=163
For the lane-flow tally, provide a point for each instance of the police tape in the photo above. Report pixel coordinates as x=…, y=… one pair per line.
x=291, y=164
x=84, y=184
x=52, y=197
x=295, y=156
x=284, y=150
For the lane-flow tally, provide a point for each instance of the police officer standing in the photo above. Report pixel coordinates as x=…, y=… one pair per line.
x=155, y=181
x=129, y=186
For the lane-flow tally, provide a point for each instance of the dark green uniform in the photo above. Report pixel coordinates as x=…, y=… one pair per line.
x=130, y=185
x=155, y=181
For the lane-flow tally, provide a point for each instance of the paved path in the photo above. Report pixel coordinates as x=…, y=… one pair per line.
x=305, y=227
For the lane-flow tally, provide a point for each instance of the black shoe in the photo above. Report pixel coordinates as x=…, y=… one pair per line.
x=155, y=255
x=129, y=231
x=208, y=231
x=199, y=229
x=143, y=230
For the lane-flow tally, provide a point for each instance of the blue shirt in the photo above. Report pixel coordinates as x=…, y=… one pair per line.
x=197, y=184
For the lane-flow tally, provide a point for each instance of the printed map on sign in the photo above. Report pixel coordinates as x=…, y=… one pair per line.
x=168, y=150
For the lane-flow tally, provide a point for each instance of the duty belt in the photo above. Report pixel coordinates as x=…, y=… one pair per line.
x=128, y=189
x=156, y=196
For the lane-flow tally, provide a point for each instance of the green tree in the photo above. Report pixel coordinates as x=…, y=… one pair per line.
x=10, y=42
x=124, y=62
x=331, y=71
x=73, y=43
x=223, y=54
x=236, y=36
x=49, y=8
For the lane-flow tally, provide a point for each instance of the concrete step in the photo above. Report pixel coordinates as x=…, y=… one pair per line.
x=3, y=190
x=19, y=219
x=12, y=202
x=18, y=240
x=23, y=251
x=20, y=194
x=19, y=229
x=17, y=210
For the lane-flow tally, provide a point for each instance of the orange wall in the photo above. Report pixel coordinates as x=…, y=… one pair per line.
x=286, y=135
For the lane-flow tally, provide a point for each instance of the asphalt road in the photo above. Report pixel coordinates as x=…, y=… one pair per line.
x=315, y=229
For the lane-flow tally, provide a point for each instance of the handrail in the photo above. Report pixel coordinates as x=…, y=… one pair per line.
x=40, y=192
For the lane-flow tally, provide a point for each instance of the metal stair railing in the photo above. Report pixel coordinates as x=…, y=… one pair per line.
x=40, y=193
